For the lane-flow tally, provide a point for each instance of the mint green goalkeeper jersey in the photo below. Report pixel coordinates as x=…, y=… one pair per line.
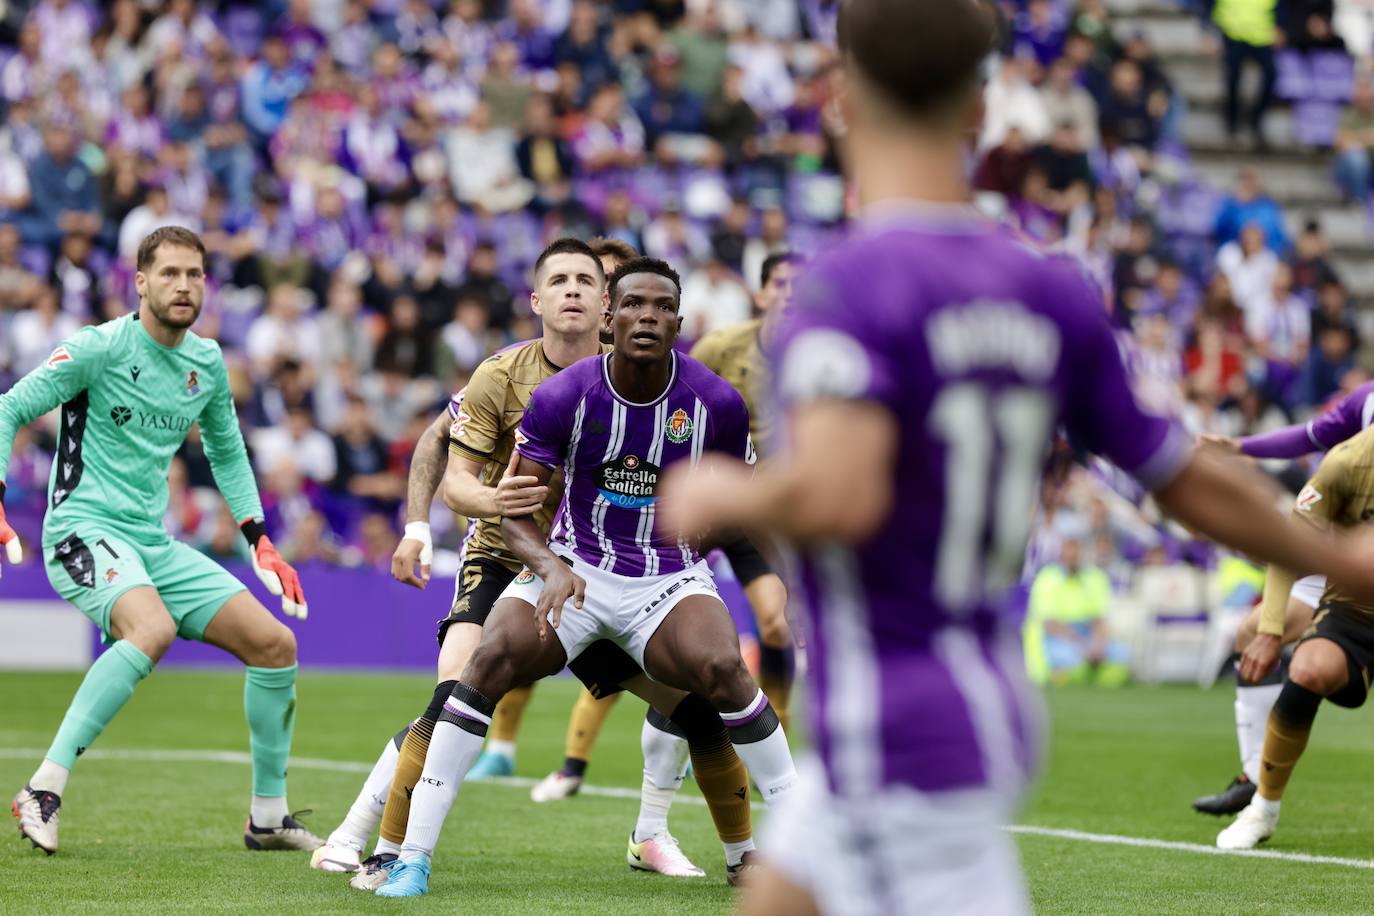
x=127, y=404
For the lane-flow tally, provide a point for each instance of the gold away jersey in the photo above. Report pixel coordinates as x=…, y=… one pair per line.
x=486, y=415
x=734, y=354
x=1341, y=494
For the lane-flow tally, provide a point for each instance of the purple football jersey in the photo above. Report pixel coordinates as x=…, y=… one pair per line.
x=612, y=452
x=979, y=346
x=1350, y=415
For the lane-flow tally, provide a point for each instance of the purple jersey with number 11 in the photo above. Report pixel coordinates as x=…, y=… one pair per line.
x=612, y=452
x=978, y=347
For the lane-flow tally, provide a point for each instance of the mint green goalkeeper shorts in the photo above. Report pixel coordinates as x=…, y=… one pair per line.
x=91, y=567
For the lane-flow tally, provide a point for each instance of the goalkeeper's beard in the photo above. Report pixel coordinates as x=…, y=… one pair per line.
x=164, y=315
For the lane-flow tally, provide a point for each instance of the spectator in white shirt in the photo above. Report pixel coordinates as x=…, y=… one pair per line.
x=298, y=442
x=482, y=164
x=713, y=297
x=155, y=212
x=1011, y=101
x=36, y=332
x=1251, y=268
x=283, y=332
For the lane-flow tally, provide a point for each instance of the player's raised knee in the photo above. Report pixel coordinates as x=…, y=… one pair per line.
x=1321, y=672
x=727, y=682
x=153, y=636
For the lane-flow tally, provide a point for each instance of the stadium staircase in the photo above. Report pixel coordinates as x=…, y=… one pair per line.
x=1299, y=178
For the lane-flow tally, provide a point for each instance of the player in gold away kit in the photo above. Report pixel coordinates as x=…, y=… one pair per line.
x=478, y=430
x=1336, y=654
x=736, y=354
x=732, y=353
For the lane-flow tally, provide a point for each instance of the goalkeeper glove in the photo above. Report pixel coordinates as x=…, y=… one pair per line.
x=273, y=571
x=8, y=539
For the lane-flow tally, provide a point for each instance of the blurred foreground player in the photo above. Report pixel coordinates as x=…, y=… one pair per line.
x=130, y=389
x=1335, y=656
x=921, y=371
x=1254, y=701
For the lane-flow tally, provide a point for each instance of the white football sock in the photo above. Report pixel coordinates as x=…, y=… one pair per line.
x=50, y=777
x=385, y=847
x=653, y=809
x=366, y=811
x=768, y=758
x=1252, y=718
x=734, y=852
x=666, y=756
x=1266, y=806
x=504, y=748
x=268, y=811
x=452, y=752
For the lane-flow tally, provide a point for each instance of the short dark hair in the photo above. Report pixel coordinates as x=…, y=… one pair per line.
x=771, y=263
x=566, y=245
x=644, y=266
x=619, y=249
x=922, y=57
x=168, y=235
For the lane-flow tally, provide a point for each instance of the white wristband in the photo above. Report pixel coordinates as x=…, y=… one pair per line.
x=417, y=531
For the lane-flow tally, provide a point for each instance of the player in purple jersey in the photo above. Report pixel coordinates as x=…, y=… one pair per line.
x=921, y=372
x=1254, y=701
x=611, y=423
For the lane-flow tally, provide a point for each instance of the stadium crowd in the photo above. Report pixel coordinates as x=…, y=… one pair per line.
x=373, y=179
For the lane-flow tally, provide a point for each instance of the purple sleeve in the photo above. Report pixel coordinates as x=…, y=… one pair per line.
x=544, y=431
x=455, y=403
x=831, y=346
x=1102, y=412
x=1350, y=415
x=1289, y=442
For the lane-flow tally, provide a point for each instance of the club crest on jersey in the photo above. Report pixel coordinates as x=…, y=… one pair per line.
x=456, y=429
x=679, y=427
x=525, y=577
x=111, y=575
x=192, y=384
x=1308, y=498
x=60, y=355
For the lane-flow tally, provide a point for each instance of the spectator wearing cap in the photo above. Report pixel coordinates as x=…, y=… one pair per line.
x=64, y=194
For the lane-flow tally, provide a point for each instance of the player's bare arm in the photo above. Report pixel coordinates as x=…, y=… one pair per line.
x=426, y=473
x=818, y=490
x=531, y=546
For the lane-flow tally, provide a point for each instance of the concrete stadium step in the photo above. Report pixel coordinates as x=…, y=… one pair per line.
x=1303, y=181
x=1146, y=7
x=1358, y=274
x=1346, y=227
x=1170, y=33
x=1204, y=130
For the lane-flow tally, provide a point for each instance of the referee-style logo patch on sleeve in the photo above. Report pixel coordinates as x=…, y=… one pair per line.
x=1308, y=498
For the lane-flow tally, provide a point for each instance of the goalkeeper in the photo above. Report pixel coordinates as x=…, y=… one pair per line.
x=129, y=390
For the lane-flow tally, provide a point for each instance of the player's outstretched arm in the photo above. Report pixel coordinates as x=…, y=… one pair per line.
x=427, y=469
x=822, y=490
x=531, y=546
x=1236, y=505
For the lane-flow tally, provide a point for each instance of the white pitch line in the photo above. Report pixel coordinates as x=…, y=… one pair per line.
x=242, y=758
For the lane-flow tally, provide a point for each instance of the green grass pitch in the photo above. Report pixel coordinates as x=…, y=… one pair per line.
x=142, y=836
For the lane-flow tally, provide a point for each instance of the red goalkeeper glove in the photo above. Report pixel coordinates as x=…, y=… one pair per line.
x=274, y=572
x=8, y=539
